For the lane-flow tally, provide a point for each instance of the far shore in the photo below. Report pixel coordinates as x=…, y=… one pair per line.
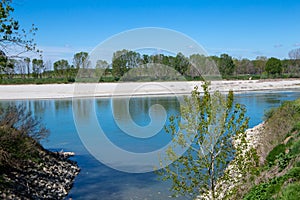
x=78, y=90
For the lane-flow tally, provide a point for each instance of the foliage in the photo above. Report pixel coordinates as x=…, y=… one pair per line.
x=37, y=67
x=207, y=129
x=280, y=176
x=291, y=192
x=272, y=156
x=273, y=66
x=226, y=65
x=295, y=149
x=62, y=68
x=10, y=32
x=282, y=121
x=18, y=118
x=275, y=188
x=147, y=68
x=80, y=60
x=181, y=63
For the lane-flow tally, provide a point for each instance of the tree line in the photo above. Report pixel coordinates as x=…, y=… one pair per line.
x=192, y=67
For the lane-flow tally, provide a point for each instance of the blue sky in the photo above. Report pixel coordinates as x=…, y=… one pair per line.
x=241, y=28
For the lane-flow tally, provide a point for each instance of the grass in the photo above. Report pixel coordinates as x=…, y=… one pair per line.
x=279, y=177
x=290, y=192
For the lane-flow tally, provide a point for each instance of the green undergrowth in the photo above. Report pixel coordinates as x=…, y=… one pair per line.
x=279, y=177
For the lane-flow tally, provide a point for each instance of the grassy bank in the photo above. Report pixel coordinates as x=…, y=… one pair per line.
x=279, y=152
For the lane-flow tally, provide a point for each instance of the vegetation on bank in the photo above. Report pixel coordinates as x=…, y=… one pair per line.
x=279, y=150
x=128, y=65
x=20, y=134
x=27, y=170
x=266, y=162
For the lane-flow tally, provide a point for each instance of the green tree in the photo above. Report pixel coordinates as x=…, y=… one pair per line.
x=245, y=66
x=37, y=67
x=101, y=68
x=209, y=125
x=119, y=64
x=181, y=63
x=61, y=67
x=273, y=66
x=80, y=60
x=6, y=65
x=260, y=63
x=226, y=65
x=123, y=61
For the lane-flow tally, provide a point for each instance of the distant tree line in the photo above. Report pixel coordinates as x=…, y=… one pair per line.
x=123, y=61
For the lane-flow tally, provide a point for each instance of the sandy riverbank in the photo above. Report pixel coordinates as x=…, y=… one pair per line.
x=47, y=91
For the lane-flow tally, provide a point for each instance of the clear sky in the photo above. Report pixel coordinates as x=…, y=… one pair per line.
x=241, y=28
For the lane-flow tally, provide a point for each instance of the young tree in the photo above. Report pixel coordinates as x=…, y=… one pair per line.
x=209, y=125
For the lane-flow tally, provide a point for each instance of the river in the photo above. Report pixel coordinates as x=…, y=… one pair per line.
x=98, y=181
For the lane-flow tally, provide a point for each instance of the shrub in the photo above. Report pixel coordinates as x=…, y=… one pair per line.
x=272, y=156
x=291, y=192
x=294, y=173
x=295, y=150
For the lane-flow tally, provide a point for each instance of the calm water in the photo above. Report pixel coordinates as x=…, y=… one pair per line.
x=97, y=181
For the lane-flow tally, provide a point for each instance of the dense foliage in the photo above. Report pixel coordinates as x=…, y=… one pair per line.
x=274, y=66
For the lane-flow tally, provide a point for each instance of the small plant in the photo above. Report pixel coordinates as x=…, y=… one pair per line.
x=283, y=160
x=295, y=150
x=272, y=156
x=291, y=192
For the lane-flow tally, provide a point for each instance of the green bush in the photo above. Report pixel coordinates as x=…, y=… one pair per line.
x=272, y=156
x=294, y=173
x=283, y=160
x=295, y=149
x=265, y=191
x=291, y=192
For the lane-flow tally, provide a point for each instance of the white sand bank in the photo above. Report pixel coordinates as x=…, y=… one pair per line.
x=49, y=91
